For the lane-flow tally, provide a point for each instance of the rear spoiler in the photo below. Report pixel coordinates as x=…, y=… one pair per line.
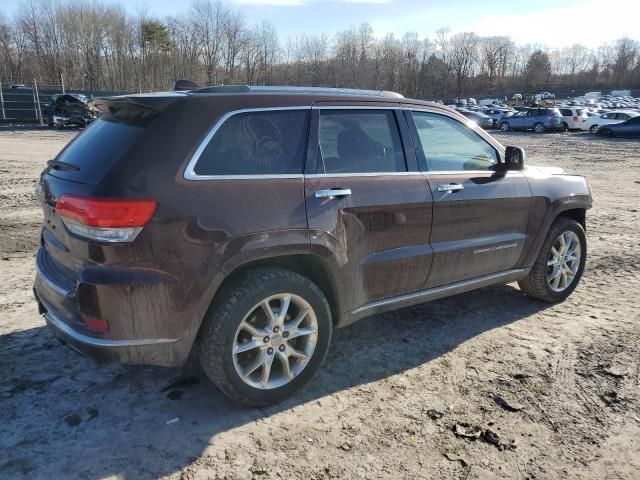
x=137, y=110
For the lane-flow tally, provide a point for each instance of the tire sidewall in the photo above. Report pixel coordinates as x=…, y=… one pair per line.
x=232, y=318
x=557, y=229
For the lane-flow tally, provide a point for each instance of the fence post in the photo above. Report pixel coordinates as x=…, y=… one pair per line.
x=38, y=100
x=62, y=82
x=4, y=117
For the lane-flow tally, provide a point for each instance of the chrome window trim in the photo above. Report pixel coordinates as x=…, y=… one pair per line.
x=363, y=174
x=189, y=171
x=415, y=174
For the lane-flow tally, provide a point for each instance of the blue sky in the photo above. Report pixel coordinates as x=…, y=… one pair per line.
x=548, y=22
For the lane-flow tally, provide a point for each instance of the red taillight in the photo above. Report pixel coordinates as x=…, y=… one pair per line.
x=575, y=119
x=96, y=325
x=106, y=213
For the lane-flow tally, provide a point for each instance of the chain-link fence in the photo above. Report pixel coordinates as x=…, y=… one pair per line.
x=26, y=103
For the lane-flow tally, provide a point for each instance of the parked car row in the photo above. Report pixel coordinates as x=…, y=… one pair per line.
x=608, y=115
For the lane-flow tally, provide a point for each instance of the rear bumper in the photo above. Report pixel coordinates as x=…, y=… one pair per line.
x=152, y=352
x=61, y=304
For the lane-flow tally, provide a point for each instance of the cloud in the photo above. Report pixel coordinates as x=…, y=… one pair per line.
x=563, y=26
x=285, y=3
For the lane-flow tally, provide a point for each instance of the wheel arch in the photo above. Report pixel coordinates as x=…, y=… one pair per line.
x=308, y=265
x=578, y=214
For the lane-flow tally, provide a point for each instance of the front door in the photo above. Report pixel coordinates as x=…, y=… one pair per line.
x=480, y=216
x=368, y=203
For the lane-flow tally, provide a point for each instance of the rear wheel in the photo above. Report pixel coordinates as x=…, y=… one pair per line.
x=560, y=263
x=538, y=127
x=265, y=336
x=504, y=126
x=605, y=132
x=593, y=129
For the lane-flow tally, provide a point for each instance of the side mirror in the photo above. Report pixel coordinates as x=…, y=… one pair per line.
x=514, y=158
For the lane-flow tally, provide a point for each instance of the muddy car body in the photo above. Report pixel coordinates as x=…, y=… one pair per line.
x=346, y=208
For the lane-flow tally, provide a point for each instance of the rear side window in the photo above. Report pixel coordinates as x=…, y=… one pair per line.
x=449, y=145
x=257, y=143
x=565, y=112
x=360, y=141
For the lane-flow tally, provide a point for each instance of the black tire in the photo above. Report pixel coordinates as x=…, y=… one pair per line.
x=605, y=132
x=565, y=127
x=504, y=126
x=231, y=304
x=593, y=129
x=535, y=284
x=539, y=127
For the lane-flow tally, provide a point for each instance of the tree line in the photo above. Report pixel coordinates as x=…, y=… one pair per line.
x=100, y=46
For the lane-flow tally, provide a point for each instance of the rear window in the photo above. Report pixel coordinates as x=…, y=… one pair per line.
x=96, y=150
x=257, y=143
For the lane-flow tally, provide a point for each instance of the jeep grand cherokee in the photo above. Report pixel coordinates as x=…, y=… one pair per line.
x=246, y=224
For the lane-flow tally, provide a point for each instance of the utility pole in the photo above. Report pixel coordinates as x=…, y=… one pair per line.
x=4, y=117
x=35, y=84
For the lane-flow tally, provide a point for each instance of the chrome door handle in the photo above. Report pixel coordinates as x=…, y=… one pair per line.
x=450, y=187
x=333, y=193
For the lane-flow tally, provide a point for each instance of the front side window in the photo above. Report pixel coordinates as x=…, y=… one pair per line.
x=449, y=145
x=257, y=143
x=360, y=141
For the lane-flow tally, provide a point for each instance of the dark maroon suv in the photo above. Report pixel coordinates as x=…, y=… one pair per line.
x=247, y=223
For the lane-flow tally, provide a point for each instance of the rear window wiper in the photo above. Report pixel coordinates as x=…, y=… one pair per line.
x=59, y=165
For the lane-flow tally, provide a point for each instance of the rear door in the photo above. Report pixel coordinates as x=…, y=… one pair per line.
x=532, y=118
x=480, y=216
x=367, y=202
x=519, y=120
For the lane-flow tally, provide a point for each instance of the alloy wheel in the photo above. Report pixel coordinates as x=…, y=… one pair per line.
x=275, y=341
x=564, y=261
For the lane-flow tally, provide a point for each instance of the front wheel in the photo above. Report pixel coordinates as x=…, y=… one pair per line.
x=538, y=127
x=266, y=334
x=605, y=132
x=504, y=126
x=593, y=129
x=560, y=263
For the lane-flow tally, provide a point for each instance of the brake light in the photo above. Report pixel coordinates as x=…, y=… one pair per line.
x=105, y=219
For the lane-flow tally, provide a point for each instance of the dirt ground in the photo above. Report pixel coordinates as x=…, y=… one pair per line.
x=549, y=391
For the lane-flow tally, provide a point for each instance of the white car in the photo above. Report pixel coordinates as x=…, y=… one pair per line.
x=593, y=123
x=573, y=117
